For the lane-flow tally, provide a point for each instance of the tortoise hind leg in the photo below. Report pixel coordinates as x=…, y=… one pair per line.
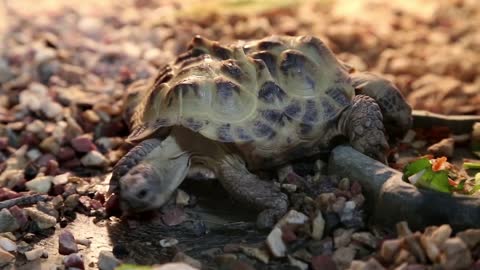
x=397, y=114
x=250, y=190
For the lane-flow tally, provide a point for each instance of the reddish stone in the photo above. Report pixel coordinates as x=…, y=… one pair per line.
x=72, y=164
x=173, y=216
x=356, y=188
x=19, y=215
x=3, y=143
x=83, y=144
x=99, y=197
x=52, y=167
x=74, y=260
x=65, y=153
x=7, y=194
x=95, y=204
x=28, y=138
x=323, y=262
x=288, y=234
x=66, y=243
x=43, y=160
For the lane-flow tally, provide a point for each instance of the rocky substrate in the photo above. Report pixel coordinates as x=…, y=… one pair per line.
x=63, y=77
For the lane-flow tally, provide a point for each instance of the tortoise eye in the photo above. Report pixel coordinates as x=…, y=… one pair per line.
x=142, y=193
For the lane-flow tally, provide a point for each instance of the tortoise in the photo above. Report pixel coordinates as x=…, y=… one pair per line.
x=237, y=108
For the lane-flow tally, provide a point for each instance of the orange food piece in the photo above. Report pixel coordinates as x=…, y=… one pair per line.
x=437, y=164
x=452, y=183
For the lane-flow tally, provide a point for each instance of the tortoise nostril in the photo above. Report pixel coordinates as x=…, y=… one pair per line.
x=142, y=193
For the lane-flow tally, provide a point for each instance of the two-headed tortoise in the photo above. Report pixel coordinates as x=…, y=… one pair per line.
x=236, y=108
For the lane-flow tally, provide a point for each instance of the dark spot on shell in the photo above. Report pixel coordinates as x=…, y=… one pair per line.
x=164, y=75
x=225, y=89
x=153, y=94
x=220, y=52
x=316, y=44
x=192, y=53
x=268, y=45
x=273, y=116
x=232, y=69
x=269, y=59
x=311, y=113
x=328, y=110
x=305, y=129
x=193, y=124
x=263, y=130
x=169, y=101
x=183, y=88
x=338, y=94
x=270, y=91
x=293, y=109
x=224, y=133
x=293, y=62
x=193, y=60
x=243, y=134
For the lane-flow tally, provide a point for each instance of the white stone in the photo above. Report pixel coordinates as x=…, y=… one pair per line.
x=318, y=226
x=292, y=217
x=182, y=198
x=7, y=244
x=168, y=242
x=52, y=110
x=94, y=159
x=40, y=184
x=34, y=254
x=33, y=154
x=61, y=179
x=275, y=243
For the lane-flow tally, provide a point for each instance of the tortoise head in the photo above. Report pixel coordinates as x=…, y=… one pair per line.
x=149, y=184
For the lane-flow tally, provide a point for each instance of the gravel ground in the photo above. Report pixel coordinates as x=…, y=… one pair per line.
x=64, y=70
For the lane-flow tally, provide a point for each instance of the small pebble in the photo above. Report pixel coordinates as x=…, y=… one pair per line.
x=5, y=257
x=40, y=184
x=106, y=260
x=182, y=198
x=66, y=243
x=7, y=244
x=74, y=260
x=94, y=159
x=318, y=226
x=42, y=220
x=168, y=242
x=83, y=144
x=275, y=243
x=8, y=223
x=35, y=253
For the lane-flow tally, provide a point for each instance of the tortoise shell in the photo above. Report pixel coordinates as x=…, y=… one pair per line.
x=277, y=88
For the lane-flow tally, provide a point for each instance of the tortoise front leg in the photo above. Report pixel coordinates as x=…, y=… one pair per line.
x=250, y=190
x=397, y=113
x=362, y=124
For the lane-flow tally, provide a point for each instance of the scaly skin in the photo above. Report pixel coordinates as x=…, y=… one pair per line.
x=397, y=114
x=363, y=124
x=249, y=189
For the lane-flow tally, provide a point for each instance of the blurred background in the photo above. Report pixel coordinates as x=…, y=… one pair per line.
x=430, y=48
